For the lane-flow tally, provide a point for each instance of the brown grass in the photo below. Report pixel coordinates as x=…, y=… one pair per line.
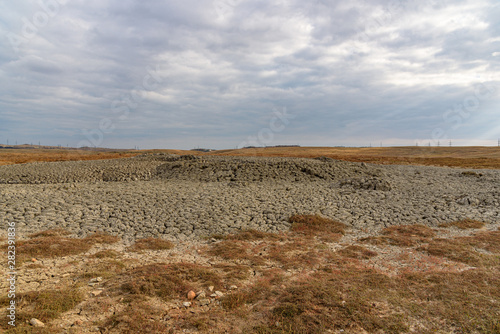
x=402, y=235
x=43, y=305
x=56, y=232
x=107, y=253
x=253, y=235
x=28, y=155
x=313, y=225
x=167, y=281
x=460, y=250
x=53, y=243
x=488, y=240
x=150, y=244
x=49, y=247
x=293, y=283
x=464, y=157
x=21, y=156
x=357, y=252
x=295, y=250
x=464, y=224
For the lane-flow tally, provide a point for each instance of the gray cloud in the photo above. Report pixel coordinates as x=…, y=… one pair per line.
x=213, y=73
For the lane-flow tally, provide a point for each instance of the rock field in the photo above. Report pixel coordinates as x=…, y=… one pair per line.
x=185, y=197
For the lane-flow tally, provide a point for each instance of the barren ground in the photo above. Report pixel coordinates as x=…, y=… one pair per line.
x=318, y=276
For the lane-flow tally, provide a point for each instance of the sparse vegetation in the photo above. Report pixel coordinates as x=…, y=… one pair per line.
x=44, y=305
x=108, y=253
x=287, y=283
x=49, y=247
x=357, y=252
x=464, y=224
x=167, y=281
x=56, y=232
x=313, y=225
x=151, y=244
x=402, y=235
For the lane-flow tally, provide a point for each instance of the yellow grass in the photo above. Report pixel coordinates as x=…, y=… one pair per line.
x=465, y=157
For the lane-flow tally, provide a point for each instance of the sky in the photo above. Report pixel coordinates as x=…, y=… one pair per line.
x=233, y=73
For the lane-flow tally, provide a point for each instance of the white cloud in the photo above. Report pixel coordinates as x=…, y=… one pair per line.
x=350, y=71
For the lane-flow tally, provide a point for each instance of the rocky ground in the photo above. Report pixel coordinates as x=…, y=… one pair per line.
x=186, y=197
x=360, y=248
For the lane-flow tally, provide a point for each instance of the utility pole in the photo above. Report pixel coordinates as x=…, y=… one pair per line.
x=450, y=143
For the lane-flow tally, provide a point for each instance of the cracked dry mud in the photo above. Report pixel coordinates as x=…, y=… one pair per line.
x=187, y=197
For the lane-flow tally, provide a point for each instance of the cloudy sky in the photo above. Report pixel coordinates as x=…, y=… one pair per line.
x=230, y=73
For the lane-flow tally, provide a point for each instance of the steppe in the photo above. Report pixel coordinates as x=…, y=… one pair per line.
x=257, y=240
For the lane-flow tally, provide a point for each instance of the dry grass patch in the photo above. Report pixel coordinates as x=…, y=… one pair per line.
x=254, y=235
x=54, y=243
x=103, y=268
x=464, y=224
x=235, y=250
x=364, y=300
x=168, y=281
x=463, y=249
x=313, y=225
x=465, y=302
x=357, y=252
x=262, y=290
x=287, y=251
x=489, y=241
x=107, y=253
x=460, y=251
x=43, y=305
x=49, y=247
x=402, y=235
x=342, y=299
x=56, y=232
x=150, y=244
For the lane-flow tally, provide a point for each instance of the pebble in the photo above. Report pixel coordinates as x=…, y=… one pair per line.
x=36, y=323
x=191, y=295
